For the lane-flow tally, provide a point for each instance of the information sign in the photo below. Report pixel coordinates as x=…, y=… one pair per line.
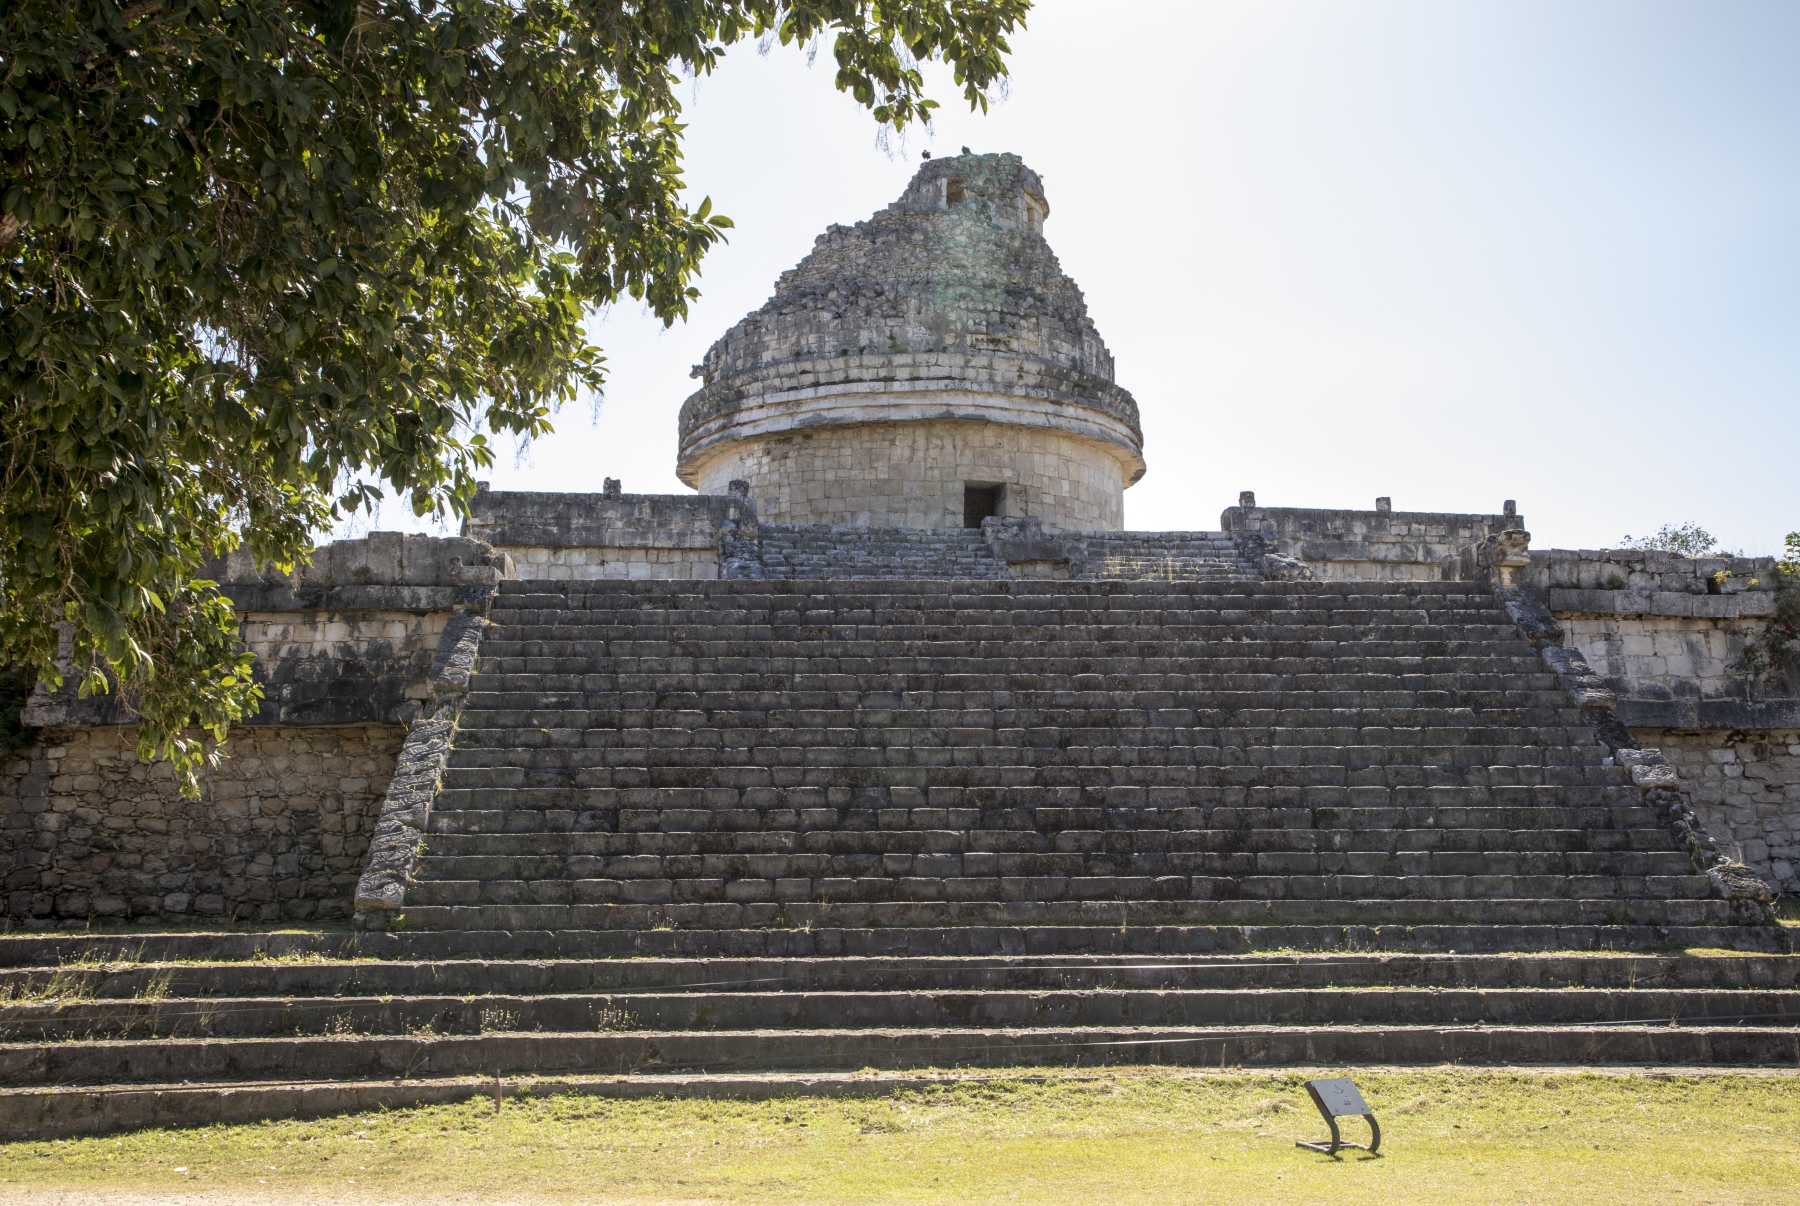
x=1338, y=1097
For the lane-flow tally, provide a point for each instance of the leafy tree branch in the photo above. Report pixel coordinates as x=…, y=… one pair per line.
x=259, y=259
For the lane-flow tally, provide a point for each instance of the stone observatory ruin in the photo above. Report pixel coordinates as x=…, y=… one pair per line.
x=889, y=748
x=927, y=368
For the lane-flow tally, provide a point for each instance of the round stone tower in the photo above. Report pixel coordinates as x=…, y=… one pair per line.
x=923, y=369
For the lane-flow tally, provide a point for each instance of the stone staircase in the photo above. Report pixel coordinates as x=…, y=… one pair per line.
x=762, y=837
x=847, y=754
x=1159, y=556
x=823, y=552
x=181, y=1030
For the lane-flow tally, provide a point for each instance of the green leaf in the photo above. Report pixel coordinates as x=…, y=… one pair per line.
x=265, y=249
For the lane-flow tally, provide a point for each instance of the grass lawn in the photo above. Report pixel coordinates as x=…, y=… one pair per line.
x=1120, y=1136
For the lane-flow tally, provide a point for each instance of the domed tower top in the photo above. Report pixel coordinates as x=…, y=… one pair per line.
x=923, y=368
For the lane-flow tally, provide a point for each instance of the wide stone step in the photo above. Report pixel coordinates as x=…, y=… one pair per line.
x=831, y=709
x=760, y=694
x=721, y=785
x=322, y=976
x=953, y=770
x=802, y=688
x=1096, y=771
x=607, y=707
x=1662, y=910
x=909, y=622
x=80, y=955
x=1299, y=797
x=849, y=608
x=973, y=752
x=171, y=1062
x=1421, y=638
x=1094, y=868
x=1035, y=879
x=854, y=607
x=1239, y=843
x=553, y=757
x=677, y=588
x=1368, y=664
x=993, y=605
x=1023, y=824
x=698, y=1010
x=564, y=730
x=1483, y=633
x=1144, y=664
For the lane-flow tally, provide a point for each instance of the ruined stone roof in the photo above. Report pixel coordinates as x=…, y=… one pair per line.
x=950, y=288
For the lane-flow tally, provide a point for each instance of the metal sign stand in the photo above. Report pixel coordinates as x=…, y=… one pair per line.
x=1339, y=1098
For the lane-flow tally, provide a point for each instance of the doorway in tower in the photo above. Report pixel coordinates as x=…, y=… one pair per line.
x=980, y=500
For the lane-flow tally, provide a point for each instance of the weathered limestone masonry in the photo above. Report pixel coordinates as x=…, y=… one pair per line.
x=1665, y=634
x=1001, y=549
x=88, y=832
x=282, y=828
x=1666, y=630
x=927, y=755
x=589, y=537
x=931, y=354
x=1383, y=545
x=1743, y=786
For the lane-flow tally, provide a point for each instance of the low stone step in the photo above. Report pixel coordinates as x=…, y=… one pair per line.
x=1021, y=593
x=925, y=840
x=1233, y=663
x=1562, y=770
x=546, y=736
x=729, y=709
x=955, y=613
x=1173, y=887
x=699, y=1010
x=463, y=813
x=114, y=1062
x=323, y=976
x=1216, y=649
x=1244, y=708
x=953, y=868
x=981, y=682
x=1564, y=911
x=79, y=954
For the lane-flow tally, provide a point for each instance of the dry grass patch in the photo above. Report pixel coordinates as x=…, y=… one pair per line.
x=1116, y=1136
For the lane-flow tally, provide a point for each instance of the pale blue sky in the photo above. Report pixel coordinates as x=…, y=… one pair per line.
x=1449, y=252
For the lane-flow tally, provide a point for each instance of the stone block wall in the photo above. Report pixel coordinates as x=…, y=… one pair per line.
x=1659, y=627
x=589, y=565
x=1157, y=556
x=88, y=833
x=1382, y=545
x=1663, y=657
x=1745, y=786
x=1665, y=632
x=345, y=640
x=1649, y=572
x=337, y=667
x=586, y=537
x=378, y=559
x=344, y=646
x=912, y=475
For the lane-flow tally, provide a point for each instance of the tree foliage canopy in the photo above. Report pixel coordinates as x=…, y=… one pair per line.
x=259, y=259
x=1684, y=540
